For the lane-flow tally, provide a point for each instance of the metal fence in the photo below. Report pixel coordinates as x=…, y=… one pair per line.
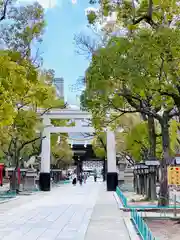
x=138, y=221
x=122, y=197
x=141, y=226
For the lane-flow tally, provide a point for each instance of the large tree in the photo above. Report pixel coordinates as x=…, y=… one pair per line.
x=132, y=75
x=62, y=154
x=24, y=129
x=25, y=87
x=23, y=30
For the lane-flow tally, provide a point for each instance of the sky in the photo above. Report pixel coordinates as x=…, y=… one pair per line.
x=64, y=20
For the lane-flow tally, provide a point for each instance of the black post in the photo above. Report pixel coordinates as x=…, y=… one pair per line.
x=104, y=170
x=112, y=181
x=45, y=181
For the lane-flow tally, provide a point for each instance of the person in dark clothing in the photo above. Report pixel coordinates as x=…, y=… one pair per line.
x=95, y=176
x=80, y=179
x=74, y=180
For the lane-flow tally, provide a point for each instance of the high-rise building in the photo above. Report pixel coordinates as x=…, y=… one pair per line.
x=59, y=85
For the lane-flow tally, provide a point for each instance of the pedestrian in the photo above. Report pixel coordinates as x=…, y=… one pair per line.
x=74, y=181
x=95, y=177
x=85, y=177
x=80, y=179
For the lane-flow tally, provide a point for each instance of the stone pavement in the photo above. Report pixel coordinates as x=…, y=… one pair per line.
x=64, y=213
x=106, y=221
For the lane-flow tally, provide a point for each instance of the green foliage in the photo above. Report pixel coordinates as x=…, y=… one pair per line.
x=131, y=13
x=137, y=142
x=174, y=133
x=24, y=87
x=26, y=26
x=62, y=154
x=99, y=144
x=91, y=17
x=21, y=96
x=121, y=79
x=123, y=123
x=139, y=72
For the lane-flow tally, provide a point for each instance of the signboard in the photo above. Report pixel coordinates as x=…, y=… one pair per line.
x=173, y=175
x=152, y=163
x=177, y=158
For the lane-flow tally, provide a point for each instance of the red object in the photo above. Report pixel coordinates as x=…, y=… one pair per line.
x=1, y=174
x=19, y=175
x=177, y=169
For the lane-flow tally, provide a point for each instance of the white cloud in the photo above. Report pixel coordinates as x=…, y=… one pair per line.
x=46, y=4
x=90, y=9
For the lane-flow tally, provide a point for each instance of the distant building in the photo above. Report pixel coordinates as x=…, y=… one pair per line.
x=59, y=85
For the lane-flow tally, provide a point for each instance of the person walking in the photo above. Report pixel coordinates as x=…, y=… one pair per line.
x=85, y=177
x=74, y=181
x=80, y=179
x=95, y=176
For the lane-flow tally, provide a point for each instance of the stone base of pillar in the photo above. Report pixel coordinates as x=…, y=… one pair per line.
x=44, y=181
x=112, y=181
x=120, y=182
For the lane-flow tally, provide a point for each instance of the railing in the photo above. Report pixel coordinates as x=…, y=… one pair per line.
x=122, y=197
x=141, y=226
x=7, y=194
x=65, y=181
x=138, y=221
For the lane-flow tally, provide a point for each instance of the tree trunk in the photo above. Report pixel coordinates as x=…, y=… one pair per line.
x=14, y=180
x=138, y=184
x=164, y=191
x=104, y=169
x=134, y=182
x=152, y=138
x=151, y=193
x=145, y=184
x=13, y=183
x=141, y=181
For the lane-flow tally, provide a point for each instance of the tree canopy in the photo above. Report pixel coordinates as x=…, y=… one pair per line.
x=138, y=72
x=25, y=85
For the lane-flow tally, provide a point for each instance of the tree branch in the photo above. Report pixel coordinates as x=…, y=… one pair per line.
x=28, y=142
x=5, y=5
x=104, y=145
x=48, y=109
x=147, y=17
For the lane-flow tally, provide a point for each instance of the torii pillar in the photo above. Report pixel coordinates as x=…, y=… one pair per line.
x=112, y=176
x=44, y=177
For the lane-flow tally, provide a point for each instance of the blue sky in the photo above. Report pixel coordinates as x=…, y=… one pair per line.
x=64, y=20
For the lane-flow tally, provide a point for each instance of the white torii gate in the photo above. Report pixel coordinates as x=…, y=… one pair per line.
x=44, y=179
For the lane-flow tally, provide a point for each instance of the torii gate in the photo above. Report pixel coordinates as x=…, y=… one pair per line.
x=44, y=179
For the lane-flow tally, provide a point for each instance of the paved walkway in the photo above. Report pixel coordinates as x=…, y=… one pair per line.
x=64, y=213
x=106, y=220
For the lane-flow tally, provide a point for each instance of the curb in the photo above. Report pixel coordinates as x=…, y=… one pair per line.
x=118, y=201
x=9, y=200
x=127, y=220
x=130, y=229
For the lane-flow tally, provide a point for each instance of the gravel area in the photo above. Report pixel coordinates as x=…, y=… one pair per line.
x=164, y=229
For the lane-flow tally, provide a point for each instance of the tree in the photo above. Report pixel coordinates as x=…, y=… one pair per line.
x=160, y=18
x=135, y=13
x=27, y=91
x=130, y=83
x=25, y=87
x=27, y=121
x=4, y=8
x=24, y=29
x=62, y=154
x=99, y=145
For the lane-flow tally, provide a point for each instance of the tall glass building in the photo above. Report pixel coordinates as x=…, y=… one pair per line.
x=59, y=85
